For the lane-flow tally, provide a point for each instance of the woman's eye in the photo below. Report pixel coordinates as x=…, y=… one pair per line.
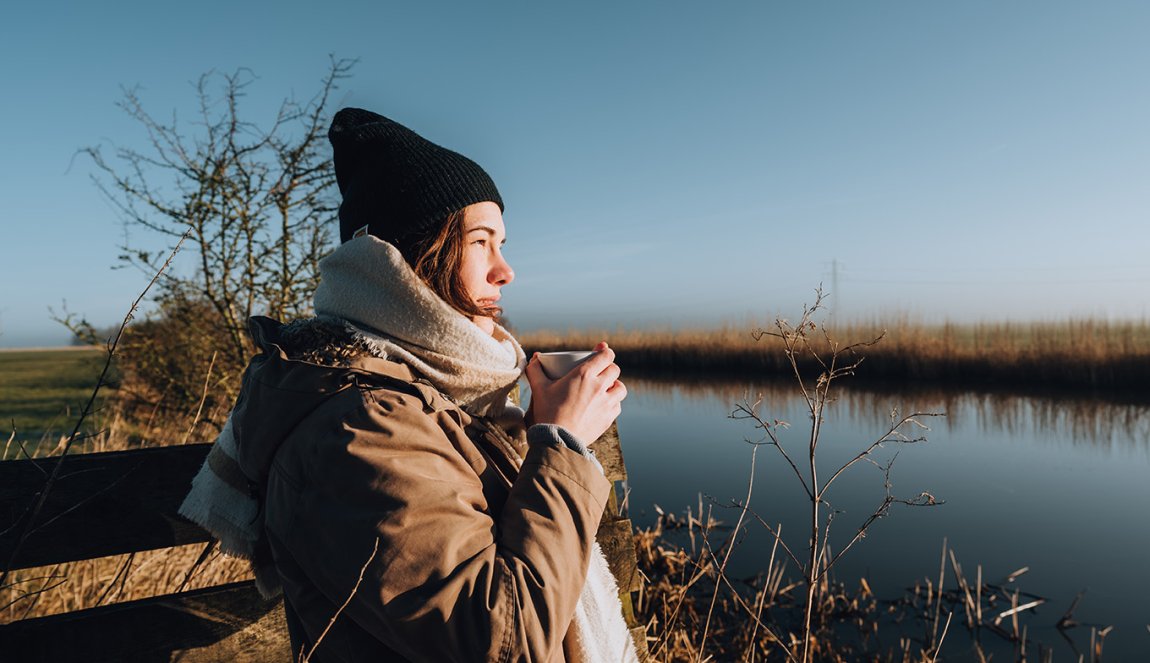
x=480, y=242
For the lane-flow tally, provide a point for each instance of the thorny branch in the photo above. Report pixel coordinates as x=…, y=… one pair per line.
x=750, y=411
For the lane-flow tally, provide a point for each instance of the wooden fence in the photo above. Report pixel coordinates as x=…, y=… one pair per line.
x=125, y=501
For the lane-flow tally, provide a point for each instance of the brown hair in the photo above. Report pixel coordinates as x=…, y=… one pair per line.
x=436, y=257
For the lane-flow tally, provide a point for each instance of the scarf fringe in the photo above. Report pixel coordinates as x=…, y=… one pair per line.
x=228, y=513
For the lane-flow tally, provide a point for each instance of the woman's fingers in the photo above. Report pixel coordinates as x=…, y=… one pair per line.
x=609, y=374
x=585, y=401
x=597, y=362
x=534, y=371
x=616, y=393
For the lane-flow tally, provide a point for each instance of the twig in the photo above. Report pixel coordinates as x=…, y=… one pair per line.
x=720, y=576
x=700, y=571
x=121, y=576
x=978, y=598
x=747, y=411
x=968, y=601
x=331, y=622
x=38, y=594
x=50, y=576
x=941, y=577
x=938, y=647
x=1013, y=576
x=755, y=618
x=776, y=534
x=893, y=434
x=1067, y=620
x=1017, y=609
x=726, y=557
x=203, y=397
x=208, y=547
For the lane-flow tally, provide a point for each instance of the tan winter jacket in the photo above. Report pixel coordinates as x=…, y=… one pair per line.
x=470, y=559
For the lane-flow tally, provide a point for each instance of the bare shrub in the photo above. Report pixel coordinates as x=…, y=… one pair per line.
x=257, y=206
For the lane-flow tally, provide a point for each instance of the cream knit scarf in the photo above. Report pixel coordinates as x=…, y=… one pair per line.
x=367, y=283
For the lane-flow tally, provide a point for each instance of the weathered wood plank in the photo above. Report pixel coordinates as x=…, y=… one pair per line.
x=226, y=623
x=101, y=504
x=610, y=454
x=618, y=544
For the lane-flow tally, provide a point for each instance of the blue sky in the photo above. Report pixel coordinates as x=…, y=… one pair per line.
x=662, y=162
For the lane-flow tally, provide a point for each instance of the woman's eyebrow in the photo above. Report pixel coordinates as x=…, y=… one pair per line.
x=488, y=229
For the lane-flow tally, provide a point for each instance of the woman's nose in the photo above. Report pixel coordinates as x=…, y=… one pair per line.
x=501, y=272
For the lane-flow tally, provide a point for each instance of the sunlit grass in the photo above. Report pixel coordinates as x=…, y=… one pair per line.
x=1081, y=353
x=44, y=390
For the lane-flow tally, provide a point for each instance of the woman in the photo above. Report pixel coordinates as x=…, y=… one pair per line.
x=373, y=454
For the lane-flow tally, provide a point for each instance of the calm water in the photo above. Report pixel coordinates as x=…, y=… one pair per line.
x=1058, y=485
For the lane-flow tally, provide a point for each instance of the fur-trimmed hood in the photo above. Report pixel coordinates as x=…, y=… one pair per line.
x=301, y=365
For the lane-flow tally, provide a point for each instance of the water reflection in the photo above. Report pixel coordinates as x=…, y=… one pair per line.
x=1049, y=481
x=1081, y=420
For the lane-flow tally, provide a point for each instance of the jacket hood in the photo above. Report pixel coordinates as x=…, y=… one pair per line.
x=301, y=365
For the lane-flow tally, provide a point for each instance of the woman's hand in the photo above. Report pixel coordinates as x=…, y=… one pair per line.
x=585, y=401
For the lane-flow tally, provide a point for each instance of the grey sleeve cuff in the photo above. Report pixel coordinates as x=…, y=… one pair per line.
x=558, y=436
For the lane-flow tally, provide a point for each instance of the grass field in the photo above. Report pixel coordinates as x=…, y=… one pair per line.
x=43, y=391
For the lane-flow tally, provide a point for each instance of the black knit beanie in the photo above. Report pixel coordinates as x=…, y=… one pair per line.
x=394, y=182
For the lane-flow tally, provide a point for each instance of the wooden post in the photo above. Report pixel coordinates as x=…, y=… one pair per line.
x=615, y=535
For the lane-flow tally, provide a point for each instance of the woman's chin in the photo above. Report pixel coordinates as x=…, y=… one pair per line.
x=485, y=323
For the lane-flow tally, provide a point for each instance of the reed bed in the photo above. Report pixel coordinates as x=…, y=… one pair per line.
x=1076, y=354
x=952, y=615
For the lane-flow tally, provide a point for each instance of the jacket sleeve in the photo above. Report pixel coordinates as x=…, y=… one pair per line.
x=448, y=581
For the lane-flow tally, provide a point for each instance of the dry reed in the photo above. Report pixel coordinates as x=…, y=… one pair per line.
x=761, y=618
x=1079, y=354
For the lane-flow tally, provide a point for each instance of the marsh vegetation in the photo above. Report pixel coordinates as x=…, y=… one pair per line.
x=1080, y=354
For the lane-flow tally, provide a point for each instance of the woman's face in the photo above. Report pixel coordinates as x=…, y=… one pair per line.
x=483, y=270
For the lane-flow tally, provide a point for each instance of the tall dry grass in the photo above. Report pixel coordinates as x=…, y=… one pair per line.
x=1077, y=354
x=955, y=615
x=89, y=583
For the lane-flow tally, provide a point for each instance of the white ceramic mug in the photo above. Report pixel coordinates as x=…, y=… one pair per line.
x=558, y=364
